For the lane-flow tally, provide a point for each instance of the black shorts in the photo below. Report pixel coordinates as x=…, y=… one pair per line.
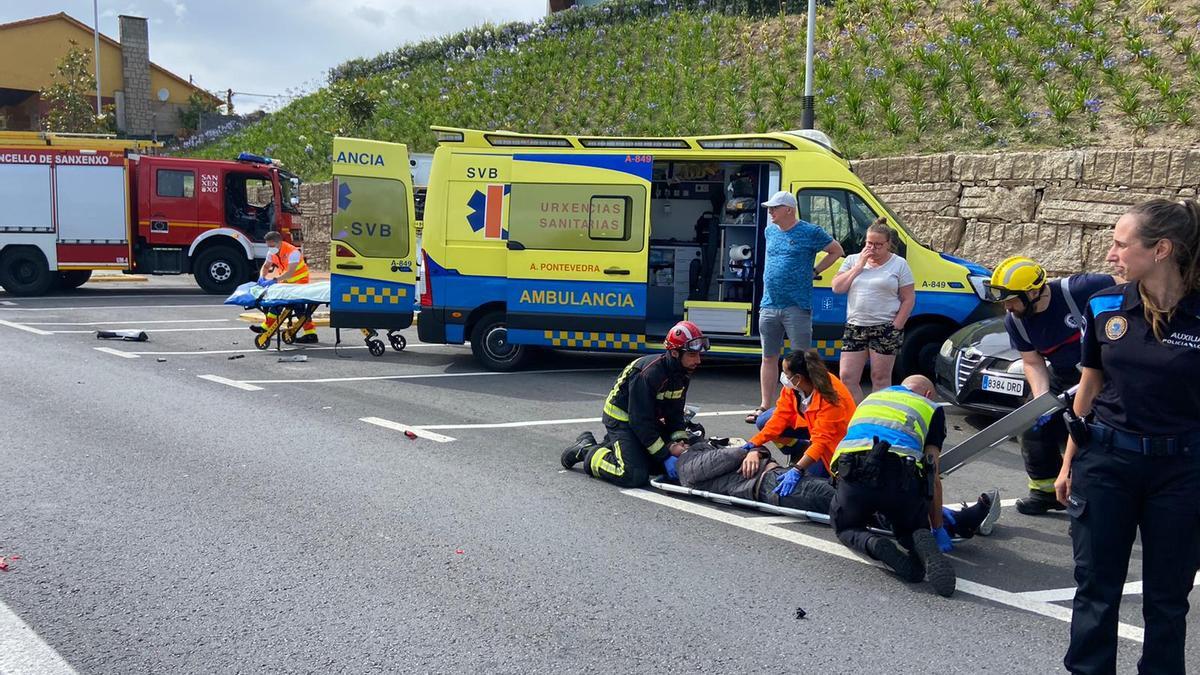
x=883, y=339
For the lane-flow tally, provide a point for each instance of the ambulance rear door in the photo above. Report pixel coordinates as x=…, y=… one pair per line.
x=577, y=233
x=372, y=261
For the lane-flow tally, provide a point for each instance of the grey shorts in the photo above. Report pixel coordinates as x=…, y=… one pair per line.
x=773, y=324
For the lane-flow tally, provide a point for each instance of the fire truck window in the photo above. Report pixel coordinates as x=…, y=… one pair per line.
x=371, y=215
x=172, y=183
x=575, y=217
x=259, y=192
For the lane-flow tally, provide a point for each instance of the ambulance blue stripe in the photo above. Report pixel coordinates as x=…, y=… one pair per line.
x=1104, y=303
x=599, y=298
x=623, y=163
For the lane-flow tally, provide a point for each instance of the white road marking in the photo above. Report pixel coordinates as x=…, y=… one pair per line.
x=1064, y=594
x=482, y=373
x=158, y=330
x=121, y=323
x=213, y=305
x=133, y=295
x=23, y=327
x=233, y=383
x=116, y=352
x=1014, y=600
x=396, y=426
x=539, y=423
x=8, y=303
x=23, y=651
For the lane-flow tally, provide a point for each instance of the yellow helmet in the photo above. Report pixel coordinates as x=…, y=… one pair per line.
x=1013, y=276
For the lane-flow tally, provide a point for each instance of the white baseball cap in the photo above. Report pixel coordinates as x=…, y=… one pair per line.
x=781, y=198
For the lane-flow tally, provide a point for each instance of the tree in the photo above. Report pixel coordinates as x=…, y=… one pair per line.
x=70, y=95
x=199, y=103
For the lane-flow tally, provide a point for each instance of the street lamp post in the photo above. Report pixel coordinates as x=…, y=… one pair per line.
x=96, y=49
x=808, y=114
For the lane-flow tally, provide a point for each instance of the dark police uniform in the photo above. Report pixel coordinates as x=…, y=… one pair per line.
x=643, y=415
x=1139, y=470
x=1054, y=335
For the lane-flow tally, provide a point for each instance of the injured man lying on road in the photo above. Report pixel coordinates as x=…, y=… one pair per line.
x=753, y=475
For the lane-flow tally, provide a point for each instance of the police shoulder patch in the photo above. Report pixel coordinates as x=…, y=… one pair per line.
x=1116, y=327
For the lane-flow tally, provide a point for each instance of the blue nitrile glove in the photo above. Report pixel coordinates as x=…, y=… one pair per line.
x=943, y=539
x=1042, y=421
x=788, y=482
x=265, y=282
x=747, y=446
x=669, y=465
x=948, y=516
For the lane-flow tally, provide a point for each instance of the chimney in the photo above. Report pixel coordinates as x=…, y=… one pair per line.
x=135, y=69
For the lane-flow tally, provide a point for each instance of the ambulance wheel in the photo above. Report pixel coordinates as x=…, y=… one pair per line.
x=23, y=271
x=918, y=354
x=489, y=343
x=73, y=279
x=220, y=269
x=376, y=347
x=398, y=341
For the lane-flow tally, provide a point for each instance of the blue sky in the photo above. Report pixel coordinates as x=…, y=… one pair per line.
x=277, y=47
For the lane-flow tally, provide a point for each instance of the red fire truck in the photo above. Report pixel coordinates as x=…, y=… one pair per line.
x=73, y=204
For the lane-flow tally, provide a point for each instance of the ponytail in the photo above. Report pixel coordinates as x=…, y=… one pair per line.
x=1179, y=223
x=809, y=364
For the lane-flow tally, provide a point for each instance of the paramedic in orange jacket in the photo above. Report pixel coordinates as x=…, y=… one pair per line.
x=811, y=415
x=285, y=264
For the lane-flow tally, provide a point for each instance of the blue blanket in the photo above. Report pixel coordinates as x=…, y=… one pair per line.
x=250, y=294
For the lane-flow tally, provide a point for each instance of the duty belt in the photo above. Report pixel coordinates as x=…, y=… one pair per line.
x=1151, y=446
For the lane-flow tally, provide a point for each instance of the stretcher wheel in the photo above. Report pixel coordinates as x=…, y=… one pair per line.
x=398, y=341
x=376, y=347
x=288, y=336
x=263, y=340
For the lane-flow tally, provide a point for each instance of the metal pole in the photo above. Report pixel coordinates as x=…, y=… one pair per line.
x=96, y=49
x=808, y=114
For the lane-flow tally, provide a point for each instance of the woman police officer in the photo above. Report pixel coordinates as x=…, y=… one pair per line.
x=1135, y=464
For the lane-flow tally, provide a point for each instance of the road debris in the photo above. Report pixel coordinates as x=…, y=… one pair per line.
x=236, y=356
x=301, y=358
x=127, y=335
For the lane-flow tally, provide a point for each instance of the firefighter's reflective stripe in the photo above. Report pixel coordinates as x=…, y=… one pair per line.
x=614, y=412
x=1041, y=484
x=665, y=395
x=895, y=415
x=600, y=461
x=280, y=261
x=610, y=408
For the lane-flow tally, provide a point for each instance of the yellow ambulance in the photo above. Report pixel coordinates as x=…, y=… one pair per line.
x=602, y=243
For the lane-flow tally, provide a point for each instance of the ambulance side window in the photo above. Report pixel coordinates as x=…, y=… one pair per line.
x=371, y=215
x=577, y=217
x=843, y=214
x=173, y=183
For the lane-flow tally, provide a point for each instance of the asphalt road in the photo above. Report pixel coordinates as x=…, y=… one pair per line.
x=166, y=506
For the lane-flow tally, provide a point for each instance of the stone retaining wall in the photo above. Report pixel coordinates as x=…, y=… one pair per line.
x=1058, y=207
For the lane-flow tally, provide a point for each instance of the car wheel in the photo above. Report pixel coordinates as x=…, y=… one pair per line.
x=918, y=354
x=490, y=345
x=220, y=269
x=23, y=271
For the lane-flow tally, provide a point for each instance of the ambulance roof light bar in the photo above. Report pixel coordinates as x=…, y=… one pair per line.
x=745, y=144
x=527, y=141
x=634, y=143
x=449, y=136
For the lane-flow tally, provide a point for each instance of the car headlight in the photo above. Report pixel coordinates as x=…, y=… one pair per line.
x=1016, y=368
x=947, y=349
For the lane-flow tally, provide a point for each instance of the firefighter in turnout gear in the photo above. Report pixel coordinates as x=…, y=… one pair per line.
x=644, y=415
x=285, y=265
x=1043, y=320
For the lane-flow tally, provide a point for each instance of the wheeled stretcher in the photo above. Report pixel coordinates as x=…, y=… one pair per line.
x=294, y=305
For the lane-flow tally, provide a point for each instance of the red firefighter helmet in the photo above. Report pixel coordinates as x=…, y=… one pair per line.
x=686, y=336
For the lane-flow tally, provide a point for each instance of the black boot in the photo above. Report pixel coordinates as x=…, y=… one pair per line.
x=578, y=452
x=257, y=329
x=937, y=565
x=1038, y=503
x=887, y=552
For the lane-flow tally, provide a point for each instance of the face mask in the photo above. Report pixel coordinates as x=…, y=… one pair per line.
x=783, y=379
x=272, y=251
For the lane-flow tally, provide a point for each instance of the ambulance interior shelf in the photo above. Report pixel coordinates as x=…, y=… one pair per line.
x=699, y=211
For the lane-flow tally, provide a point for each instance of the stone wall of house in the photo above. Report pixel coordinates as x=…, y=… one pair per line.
x=316, y=206
x=1057, y=207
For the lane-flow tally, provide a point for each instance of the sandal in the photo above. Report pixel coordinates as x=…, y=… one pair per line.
x=752, y=417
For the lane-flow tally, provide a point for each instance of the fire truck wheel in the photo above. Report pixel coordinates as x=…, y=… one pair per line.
x=73, y=279
x=23, y=271
x=220, y=269
x=489, y=343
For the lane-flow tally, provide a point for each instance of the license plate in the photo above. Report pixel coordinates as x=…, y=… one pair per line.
x=1003, y=385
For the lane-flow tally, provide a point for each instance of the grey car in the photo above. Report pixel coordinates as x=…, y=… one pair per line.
x=977, y=369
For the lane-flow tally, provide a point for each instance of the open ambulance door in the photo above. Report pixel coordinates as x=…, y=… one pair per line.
x=577, y=232
x=372, y=261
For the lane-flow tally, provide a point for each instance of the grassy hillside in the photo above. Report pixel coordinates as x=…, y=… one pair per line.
x=891, y=76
